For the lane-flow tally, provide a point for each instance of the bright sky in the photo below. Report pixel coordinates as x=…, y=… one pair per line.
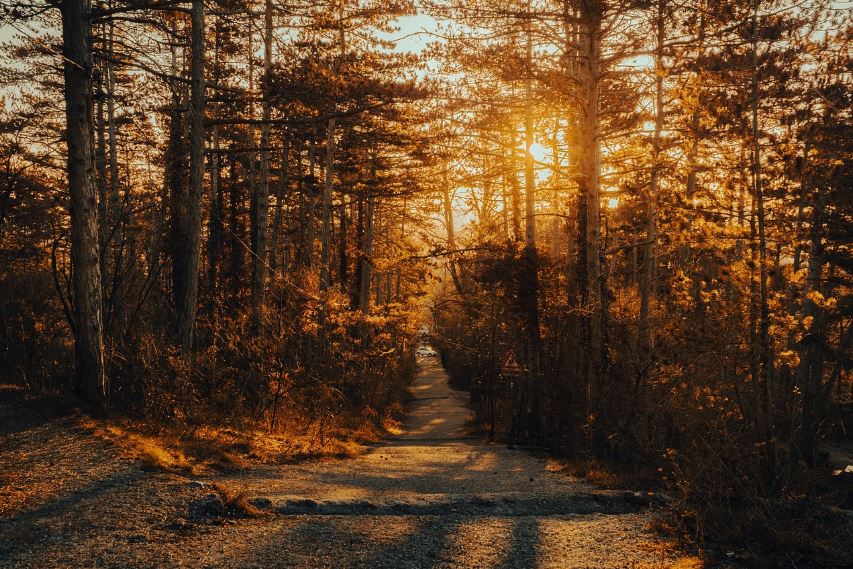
x=414, y=34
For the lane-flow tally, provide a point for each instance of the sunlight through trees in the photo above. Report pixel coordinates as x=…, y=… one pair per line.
x=241, y=211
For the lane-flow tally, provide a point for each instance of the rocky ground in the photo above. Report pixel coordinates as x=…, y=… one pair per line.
x=428, y=498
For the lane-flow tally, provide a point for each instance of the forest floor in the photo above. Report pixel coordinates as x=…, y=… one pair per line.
x=431, y=497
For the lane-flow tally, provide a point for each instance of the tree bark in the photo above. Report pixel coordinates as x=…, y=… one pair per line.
x=310, y=211
x=589, y=190
x=217, y=205
x=765, y=362
x=343, y=253
x=175, y=175
x=325, y=271
x=810, y=370
x=649, y=259
x=530, y=277
x=281, y=193
x=355, y=301
x=189, y=300
x=260, y=219
x=515, y=187
x=367, y=264
x=114, y=222
x=236, y=202
x=90, y=378
x=101, y=165
x=450, y=228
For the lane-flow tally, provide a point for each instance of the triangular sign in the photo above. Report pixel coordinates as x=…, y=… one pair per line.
x=510, y=365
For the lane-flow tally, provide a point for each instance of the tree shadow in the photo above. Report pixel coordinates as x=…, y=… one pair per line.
x=20, y=412
x=358, y=542
x=524, y=551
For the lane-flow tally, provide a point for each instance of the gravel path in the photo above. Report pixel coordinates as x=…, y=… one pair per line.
x=428, y=498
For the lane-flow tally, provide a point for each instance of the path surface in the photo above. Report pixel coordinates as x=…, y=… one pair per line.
x=428, y=498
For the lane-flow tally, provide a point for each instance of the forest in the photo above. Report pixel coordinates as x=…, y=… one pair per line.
x=625, y=227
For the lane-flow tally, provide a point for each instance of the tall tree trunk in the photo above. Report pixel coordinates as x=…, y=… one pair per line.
x=310, y=194
x=556, y=223
x=325, y=271
x=326, y=237
x=696, y=115
x=530, y=277
x=649, y=259
x=574, y=260
x=189, y=300
x=515, y=187
x=810, y=369
x=355, y=301
x=343, y=254
x=765, y=361
x=303, y=208
x=253, y=190
x=281, y=194
x=504, y=208
x=115, y=223
x=589, y=190
x=176, y=162
x=399, y=275
x=215, y=223
x=155, y=245
x=217, y=201
x=90, y=378
x=175, y=175
x=235, y=269
x=101, y=164
x=450, y=227
x=367, y=264
x=260, y=225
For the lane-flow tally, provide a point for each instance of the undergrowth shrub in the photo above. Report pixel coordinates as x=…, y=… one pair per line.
x=689, y=417
x=280, y=374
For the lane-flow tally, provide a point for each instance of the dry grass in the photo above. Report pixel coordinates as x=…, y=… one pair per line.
x=225, y=449
x=687, y=563
x=661, y=526
x=236, y=502
x=153, y=453
x=590, y=470
x=670, y=556
x=392, y=426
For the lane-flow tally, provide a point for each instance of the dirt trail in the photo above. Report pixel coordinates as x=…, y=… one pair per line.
x=428, y=498
x=436, y=410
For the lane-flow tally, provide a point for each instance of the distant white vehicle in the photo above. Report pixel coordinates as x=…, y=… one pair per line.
x=425, y=352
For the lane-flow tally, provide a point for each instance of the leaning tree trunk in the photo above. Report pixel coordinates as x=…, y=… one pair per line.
x=90, y=379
